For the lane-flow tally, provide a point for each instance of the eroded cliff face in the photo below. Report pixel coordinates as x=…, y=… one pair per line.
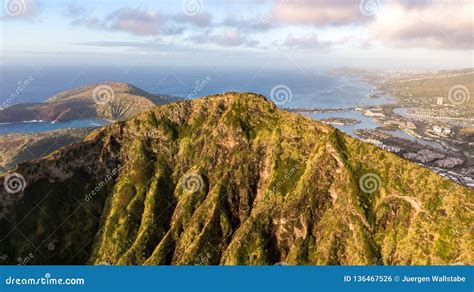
x=229, y=179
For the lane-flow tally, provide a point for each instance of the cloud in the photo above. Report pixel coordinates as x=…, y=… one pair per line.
x=231, y=37
x=155, y=46
x=142, y=22
x=226, y=38
x=306, y=42
x=73, y=10
x=439, y=25
x=248, y=24
x=134, y=21
x=151, y=23
x=200, y=20
x=322, y=12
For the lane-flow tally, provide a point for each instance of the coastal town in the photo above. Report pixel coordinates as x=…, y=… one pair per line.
x=431, y=123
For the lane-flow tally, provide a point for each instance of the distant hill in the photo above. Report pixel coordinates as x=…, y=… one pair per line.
x=18, y=148
x=424, y=86
x=230, y=179
x=121, y=101
x=111, y=101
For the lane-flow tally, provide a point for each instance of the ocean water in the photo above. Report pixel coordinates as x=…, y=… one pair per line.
x=39, y=126
x=367, y=123
x=299, y=89
x=292, y=89
x=314, y=88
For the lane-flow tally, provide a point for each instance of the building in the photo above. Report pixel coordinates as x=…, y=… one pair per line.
x=374, y=112
x=441, y=130
x=439, y=101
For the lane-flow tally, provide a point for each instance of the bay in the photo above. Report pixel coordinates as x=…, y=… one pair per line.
x=40, y=126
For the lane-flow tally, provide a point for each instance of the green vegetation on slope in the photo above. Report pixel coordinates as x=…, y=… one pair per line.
x=18, y=148
x=229, y=179
x=111, y=101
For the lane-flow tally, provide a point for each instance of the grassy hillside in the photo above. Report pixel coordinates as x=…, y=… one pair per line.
x=18, y=148
x=111, y=101
x=119, y=101
x=230, y=179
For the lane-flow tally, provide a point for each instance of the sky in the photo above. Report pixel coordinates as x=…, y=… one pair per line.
x=381, y=34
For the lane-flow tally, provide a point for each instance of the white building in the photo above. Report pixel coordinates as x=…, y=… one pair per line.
x=441, y=130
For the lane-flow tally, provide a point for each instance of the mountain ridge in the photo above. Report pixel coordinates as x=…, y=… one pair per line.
x=230, y=179
x=109, y=100
x=121, y=101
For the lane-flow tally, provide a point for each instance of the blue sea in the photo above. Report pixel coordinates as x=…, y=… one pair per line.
x=307, y=88
x=313, y=88
x=41, y=126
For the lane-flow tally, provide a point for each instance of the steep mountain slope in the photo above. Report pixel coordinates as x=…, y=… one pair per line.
x=230, y=179
x=112, y=101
